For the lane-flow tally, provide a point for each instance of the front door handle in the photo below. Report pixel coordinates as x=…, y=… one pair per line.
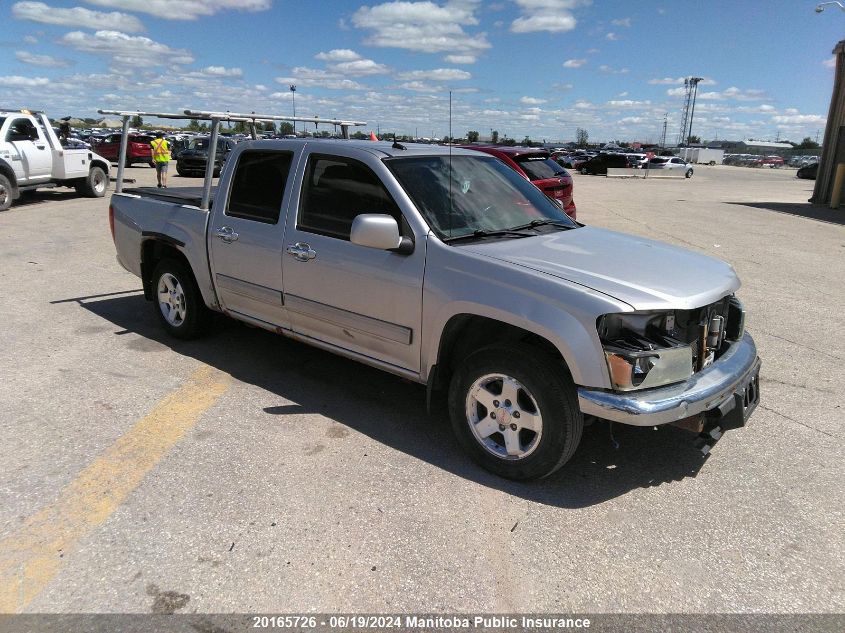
x=301, y=251
x=226, y=233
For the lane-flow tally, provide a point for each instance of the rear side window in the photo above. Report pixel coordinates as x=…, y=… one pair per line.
x=336, y=191
x=538, y=167
x=258, y=186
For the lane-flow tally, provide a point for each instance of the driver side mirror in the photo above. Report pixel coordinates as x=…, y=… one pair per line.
x=381, y=231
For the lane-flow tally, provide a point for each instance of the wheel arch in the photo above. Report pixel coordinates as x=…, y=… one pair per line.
x=467, y=332
x=154, y=251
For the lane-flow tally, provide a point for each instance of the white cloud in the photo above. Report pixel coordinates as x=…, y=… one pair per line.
x=554, y=16
x=623, y=94
x=609, y=70
x=628, y=103
x=30, y=39
x=460, y=59
x=611, y=36
x=40, y=60
x=77, y=16
x=360, y=67
x=800, y=119
x=582, y=104
x=20, y=82
x=222, y=71
x=829, y=63
x=314, y=77
x=574, y=63
x=127, y=49
x=423, y=26
x=626, y=22
x=437, y=74
x=531, y=101
x=183, y=9
x=420, y=86
x=338, y=55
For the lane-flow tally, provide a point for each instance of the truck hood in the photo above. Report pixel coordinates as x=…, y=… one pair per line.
x=645, y=274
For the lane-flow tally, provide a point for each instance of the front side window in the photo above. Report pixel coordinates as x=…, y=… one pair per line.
x=258, y=186
x=463, y=194
x=22, y=130
x=336, y=191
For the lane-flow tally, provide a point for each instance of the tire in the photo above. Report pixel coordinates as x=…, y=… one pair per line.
x=177, y=300
x=689, y=173
x=95, y=184
x=584, y=171
x=180, y=171
x=712, y=163
x=5, y=193
x=546, y=403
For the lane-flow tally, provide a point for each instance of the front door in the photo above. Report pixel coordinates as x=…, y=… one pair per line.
x=356, y=298
x=245, y=237
x=35, y=155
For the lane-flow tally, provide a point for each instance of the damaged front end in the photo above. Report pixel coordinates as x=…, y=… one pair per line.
x=697, y=369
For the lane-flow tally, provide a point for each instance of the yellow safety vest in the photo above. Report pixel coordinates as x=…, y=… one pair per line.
x=161, y=150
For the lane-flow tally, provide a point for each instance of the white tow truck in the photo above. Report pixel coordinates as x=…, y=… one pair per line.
x=32, y=157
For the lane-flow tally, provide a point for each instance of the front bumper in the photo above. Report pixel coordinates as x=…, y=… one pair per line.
x=705, y=391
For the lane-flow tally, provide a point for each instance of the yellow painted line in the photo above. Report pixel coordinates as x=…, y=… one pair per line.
x=30, y=557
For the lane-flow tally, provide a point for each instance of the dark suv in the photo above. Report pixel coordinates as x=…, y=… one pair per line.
x=192, y=161
x=600, y=164
x=536, y=165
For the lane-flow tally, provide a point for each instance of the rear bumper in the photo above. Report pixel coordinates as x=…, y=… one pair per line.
x=707, y=390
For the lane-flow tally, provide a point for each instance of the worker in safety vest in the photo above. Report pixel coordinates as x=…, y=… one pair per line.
x=161, y=158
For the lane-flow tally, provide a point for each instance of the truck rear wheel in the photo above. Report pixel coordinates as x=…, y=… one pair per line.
x=177, y=301
x=5, y=193
x=94, y=186
x=515, y=411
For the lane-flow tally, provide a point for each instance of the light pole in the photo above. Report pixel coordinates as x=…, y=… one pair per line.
x=820, y=7
x=694, y=81
x=293, y=99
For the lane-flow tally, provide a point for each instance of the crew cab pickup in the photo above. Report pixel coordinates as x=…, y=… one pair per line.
x=31, y=157
x=447, y=267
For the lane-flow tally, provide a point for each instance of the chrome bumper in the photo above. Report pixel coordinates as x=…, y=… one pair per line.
x=704, y=391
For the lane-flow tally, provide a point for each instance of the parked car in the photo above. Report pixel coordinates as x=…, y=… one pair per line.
x=537, y=166
x=572, y=161
x=193, y=160
x=670, y=162
x=808, y=172
x=775, y=162
x=598, y=165
x=446, y=267
x=137, y=148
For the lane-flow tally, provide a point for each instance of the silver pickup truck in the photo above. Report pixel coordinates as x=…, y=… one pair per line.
x=446, y=267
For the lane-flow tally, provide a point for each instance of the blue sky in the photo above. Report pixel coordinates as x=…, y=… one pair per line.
x=540, y=68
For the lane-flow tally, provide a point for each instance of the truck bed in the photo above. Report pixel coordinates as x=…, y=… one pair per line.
x=177, y=195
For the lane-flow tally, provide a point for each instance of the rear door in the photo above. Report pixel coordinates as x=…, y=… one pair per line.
x=246, y=233
x=352, y=297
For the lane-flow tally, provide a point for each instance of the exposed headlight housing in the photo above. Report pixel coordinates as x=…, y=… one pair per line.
x=641, y=351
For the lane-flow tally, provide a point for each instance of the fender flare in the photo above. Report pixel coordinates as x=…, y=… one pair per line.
x=6, y=170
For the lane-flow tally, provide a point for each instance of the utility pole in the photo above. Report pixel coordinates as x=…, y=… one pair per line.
x=293, y=99
x=691, y=86
x=694, y=81
x=665, y=121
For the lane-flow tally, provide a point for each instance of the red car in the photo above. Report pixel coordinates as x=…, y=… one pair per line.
x=536, y=165
x=137, y=148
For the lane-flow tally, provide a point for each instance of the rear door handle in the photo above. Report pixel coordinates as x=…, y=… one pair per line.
x=301, y=251
x=226, y=233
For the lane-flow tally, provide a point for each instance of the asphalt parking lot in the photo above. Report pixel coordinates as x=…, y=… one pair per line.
x=248, y=473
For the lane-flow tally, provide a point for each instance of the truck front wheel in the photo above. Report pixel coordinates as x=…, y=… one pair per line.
x=94, y=186
x=515, y=411
x=5, y=193
x=178, y=302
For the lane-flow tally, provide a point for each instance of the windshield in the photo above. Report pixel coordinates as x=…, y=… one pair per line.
x=486, y=194
x=539, y=167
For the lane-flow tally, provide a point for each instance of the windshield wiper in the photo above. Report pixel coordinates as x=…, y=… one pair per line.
x=535, y=223
x=481, y=233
